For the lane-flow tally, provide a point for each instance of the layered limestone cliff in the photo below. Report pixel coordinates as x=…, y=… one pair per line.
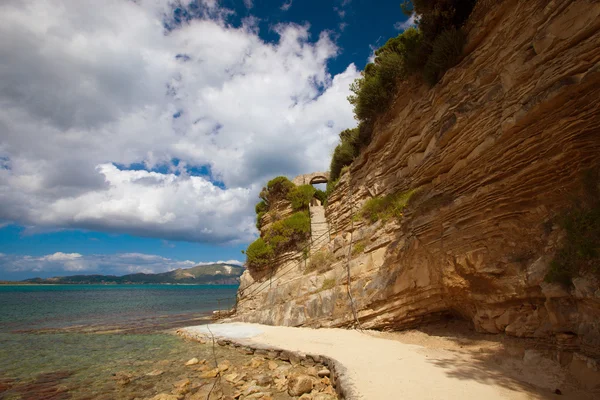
x=495, y=150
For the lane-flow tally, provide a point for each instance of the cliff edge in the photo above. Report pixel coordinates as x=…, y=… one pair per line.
x=494, y=152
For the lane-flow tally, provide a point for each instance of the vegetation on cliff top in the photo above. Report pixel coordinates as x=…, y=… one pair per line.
x=283, y=234
x=300, y=196
x=427, y=51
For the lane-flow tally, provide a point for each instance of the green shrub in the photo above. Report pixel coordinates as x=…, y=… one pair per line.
x=358, y=247
x=300, y=196
x=258, y=219
x=386, y=207
x=430, y=50
x=331, y=186
x=286, y=233
x=344, y=153
x=278, y=188
x=446, y=52
x=259, y=254
x=321, y=195
x=375, y=89
x=435, y=16
x=328, y=284
x=261, y=207
x=320, y=261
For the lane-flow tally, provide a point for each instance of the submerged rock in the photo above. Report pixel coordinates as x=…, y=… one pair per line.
x=193, y=361
x=210, y=374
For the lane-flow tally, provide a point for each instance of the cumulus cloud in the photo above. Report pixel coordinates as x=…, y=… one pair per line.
x=404, y=25
x=88, y=91
x=286, y=5
x=105, y=264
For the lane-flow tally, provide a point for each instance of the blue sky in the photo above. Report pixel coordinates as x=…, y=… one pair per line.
x=135, y=136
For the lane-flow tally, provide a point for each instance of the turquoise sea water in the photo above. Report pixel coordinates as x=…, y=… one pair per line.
x=74, y=341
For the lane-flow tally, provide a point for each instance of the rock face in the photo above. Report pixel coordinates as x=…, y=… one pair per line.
x=495, y=149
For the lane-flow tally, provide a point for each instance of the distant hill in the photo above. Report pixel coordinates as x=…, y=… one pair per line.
x=212, y=274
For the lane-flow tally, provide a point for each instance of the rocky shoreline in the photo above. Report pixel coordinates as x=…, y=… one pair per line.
x=253, y=374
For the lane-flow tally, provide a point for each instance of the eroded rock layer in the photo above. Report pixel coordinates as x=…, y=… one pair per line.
x=496, y=149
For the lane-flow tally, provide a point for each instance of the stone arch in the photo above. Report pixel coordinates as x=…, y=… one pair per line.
x=318, y=179
x=310, y=179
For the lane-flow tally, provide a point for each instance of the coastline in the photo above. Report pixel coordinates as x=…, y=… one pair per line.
x=447, y=362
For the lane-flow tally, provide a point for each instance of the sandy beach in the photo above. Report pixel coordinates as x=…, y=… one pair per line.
x=411, y=364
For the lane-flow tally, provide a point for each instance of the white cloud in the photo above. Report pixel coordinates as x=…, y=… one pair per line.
x=85, y=87
x=371, y=58
x=62, y=256
x=404, y=25
x=249, y=4
x=107, y=264
x=234, y=262
x=286, y=5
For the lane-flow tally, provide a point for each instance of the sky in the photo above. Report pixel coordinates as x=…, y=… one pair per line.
x=135, y=135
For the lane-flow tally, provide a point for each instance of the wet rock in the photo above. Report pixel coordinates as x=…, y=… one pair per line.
x=299, y=384
x=5, y=385
x=123, y=378
x=193, y=361
x=182, y=386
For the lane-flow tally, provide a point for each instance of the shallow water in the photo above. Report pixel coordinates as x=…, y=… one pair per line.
x=78, y=341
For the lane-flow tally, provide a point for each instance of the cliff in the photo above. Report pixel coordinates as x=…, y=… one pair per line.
x=496, y=150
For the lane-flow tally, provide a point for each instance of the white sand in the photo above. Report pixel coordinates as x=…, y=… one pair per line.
x=377, y=368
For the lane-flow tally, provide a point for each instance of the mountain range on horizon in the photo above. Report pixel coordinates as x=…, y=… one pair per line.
x=211, y=274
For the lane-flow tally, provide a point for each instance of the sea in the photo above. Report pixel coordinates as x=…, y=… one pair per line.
x=100, y=341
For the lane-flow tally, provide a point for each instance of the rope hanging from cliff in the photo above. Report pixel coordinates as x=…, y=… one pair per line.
x=350, y=254
x=285, y=270
x=217, y=380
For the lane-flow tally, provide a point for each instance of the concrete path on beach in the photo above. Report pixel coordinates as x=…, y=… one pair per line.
x=375, y=368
